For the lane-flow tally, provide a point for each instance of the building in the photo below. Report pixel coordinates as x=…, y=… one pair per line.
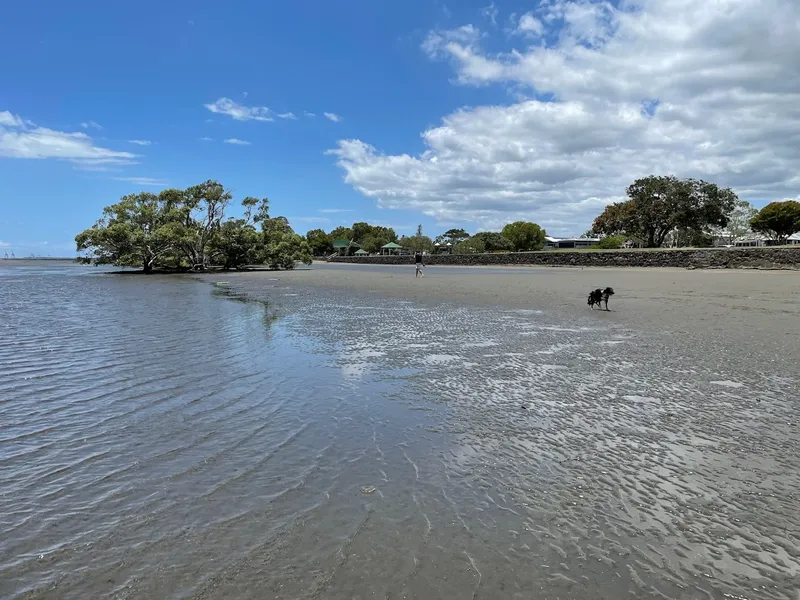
x=551, y=243
x=345, y=247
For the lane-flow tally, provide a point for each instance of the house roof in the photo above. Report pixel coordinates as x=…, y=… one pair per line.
x=361, y=251
x=345, y=244
x=391, y=245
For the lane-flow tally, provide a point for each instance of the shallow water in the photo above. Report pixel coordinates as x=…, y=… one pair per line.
x=164, y=437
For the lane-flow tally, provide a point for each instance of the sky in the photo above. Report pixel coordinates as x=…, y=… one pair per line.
x=444, y=114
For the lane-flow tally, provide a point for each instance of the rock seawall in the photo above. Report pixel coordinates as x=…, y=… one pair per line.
x=706, y=258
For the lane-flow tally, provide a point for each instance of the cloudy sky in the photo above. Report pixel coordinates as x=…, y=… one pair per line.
x=445, y=114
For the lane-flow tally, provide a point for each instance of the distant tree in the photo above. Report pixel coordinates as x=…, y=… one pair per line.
x=739, y=219
x=611, y=242
x=778, y=220
x=417, y=243
x=341, y=233
x=658, y=205
x=524, y=236
x=494, y=241
x=284, y=250
x=473, y=245
x=361, y=231
x=319, y=242
x=373, y=243
x=419, y=230
x=452, y=236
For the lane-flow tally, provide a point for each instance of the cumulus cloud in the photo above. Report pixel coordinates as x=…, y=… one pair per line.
x=530, y=25
x=23, y=139
x=240, y=112
x=707, y=90
x=237, y=142
x=332, y=117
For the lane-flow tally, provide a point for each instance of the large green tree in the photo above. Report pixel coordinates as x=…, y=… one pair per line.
x=524, y=236
x=494, y=241
x=138, y=231
x=341, y=233
x=319, y=242
x=778, y=220
x=473, y=245
x=187, y=228
x=452, y=236
x=657, y=205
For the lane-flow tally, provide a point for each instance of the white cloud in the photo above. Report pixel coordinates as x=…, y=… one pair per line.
x=4, y=244
x=490, y=12
x=708, y=90
x=206, y=139
x=530, y=25
x=287, y=115
x=145, y=181
x=23, y=139
x=335, y=210
x=239, y=112
x=308, y=219
x=332, y=117
x=91, y=125
x=237, y=142
x=9, y=120
x=140, y=142
x=309, y=114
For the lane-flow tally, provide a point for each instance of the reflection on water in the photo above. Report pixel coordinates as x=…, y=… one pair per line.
x=154, y=442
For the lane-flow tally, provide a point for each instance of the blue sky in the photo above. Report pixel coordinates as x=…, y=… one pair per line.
x=144, y=71
x=440, y=114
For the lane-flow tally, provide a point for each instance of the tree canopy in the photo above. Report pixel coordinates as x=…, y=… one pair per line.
x=186, y=229
x=778, y=220
x=659, y=204
x=493, y=241
x=524, y=236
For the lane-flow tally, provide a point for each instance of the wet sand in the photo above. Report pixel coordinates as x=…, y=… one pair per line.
x=754, y=309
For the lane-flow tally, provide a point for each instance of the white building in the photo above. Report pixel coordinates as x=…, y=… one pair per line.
x=550, y=242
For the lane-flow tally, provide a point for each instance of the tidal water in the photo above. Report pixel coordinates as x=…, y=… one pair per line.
x=166, y=437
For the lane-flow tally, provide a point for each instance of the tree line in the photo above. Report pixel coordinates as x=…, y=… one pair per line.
x=690, y=212
x=187, y=230
x=519, y=236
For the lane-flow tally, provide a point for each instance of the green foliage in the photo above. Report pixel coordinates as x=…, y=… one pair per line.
x=373, y=244
x=494, y=241
x=778, y=220
x=418, y=243
x=452, y=236
x=283, y=250
x=139, y=230
x=362, y=231
x=473, y=245
x=185, y=228
x=320, y=242
x=341, y=233
x=612, y=242
x=658, y=205
x=524, y=236
x=236, y=244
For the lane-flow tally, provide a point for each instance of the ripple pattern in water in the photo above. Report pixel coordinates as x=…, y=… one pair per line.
x=157, y=440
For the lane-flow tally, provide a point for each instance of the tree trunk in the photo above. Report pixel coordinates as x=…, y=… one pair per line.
x=148, y=266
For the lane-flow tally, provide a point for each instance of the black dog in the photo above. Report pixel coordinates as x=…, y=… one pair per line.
x=597, y=296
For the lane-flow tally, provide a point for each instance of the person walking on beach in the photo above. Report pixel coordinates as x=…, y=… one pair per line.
x=418, y=260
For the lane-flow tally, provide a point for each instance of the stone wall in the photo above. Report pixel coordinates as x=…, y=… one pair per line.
x=706, y=258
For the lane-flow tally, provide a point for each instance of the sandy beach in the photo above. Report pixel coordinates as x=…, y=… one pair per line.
x=757, y=309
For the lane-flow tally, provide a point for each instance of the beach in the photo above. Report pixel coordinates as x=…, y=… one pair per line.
x=751, y=310
x=353, y=432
